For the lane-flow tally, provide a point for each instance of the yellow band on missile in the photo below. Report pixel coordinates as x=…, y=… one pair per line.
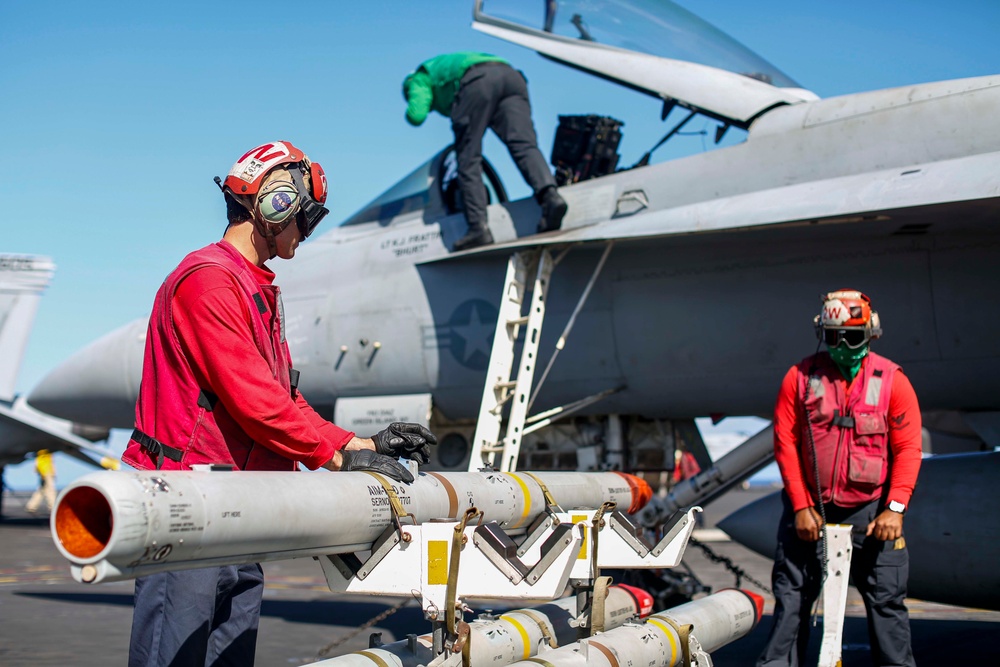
x=669, y=632
x=527, y=498
x=525, y=640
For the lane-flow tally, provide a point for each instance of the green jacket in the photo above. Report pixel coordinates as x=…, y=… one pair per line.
x=435, y=83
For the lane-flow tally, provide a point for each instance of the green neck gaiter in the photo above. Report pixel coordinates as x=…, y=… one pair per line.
x=848, y=360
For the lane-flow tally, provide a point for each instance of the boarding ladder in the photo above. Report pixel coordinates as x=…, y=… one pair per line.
x=489, y=449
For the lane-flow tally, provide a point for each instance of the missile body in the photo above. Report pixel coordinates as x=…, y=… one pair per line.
x=514, y=635
x=740, y=463
x=717, y=620
x=121, y=525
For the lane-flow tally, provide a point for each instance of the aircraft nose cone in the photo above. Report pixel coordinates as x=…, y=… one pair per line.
x=755, y=525
x=100, y=383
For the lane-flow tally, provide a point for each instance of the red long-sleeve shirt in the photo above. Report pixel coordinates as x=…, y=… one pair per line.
x=213, y=326
x=904, y=437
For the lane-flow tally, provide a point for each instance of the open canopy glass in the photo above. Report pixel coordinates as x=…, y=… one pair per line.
x=654, y=27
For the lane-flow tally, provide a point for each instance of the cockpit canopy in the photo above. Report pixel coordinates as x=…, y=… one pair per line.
x=647, y=26
x=651, y=45
x=431, y=188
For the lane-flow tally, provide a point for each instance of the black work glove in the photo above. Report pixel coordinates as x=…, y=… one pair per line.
x=407, y=440
x=358, y=460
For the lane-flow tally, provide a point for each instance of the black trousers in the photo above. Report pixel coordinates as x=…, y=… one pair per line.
x=495, y=96
x=878, y=570
x=199, y=617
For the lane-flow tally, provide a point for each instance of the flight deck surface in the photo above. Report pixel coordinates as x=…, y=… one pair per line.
x=48, y=619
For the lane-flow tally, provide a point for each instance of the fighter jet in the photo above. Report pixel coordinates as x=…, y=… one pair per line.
x=707, y=294
x=710, y=265
x=23, y=279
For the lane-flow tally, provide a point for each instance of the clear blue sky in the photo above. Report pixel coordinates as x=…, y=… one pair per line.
x=116, y=115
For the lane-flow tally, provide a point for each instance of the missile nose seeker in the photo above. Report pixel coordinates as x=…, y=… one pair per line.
x=120, y=525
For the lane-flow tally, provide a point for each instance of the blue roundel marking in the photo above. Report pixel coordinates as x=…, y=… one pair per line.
x=469, y=333
x=281, y=202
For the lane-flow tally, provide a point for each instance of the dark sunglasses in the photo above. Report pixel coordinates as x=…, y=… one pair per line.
x=853, y=338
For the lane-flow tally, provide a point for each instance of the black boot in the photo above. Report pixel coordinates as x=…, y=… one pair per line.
x=553, y=209
x=475, y=237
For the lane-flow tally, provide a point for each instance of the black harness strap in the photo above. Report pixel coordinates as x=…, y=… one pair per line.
x=293, y=381
x=841, y=420
x=157, y=448
x=259, y=300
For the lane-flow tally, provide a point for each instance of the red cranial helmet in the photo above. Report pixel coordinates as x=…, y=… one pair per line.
x=847, y=317
x=276, y=199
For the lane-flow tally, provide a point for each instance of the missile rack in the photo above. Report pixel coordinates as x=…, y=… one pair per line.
x=472, y=559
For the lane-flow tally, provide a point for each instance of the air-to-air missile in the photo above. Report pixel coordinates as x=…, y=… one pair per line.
x=114, y=526
x=738, y=464
x=511, y=636
x=120, y=525
x=683, y=635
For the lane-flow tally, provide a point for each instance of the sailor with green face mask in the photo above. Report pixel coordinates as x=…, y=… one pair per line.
x=847, y=440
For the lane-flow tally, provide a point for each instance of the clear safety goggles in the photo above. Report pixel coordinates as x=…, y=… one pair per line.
x=852, y=338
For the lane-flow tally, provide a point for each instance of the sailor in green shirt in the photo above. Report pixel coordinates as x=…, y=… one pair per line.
x=479, y=91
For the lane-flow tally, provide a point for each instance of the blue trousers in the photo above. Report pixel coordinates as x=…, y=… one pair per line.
x=878, y=570
x=197, y=617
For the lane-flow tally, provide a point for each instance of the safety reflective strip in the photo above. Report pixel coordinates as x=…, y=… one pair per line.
x=669, y=632
x=452, y=496
x=606, y=651
x=527, y=498
x=874, y=390
x=525, y=640
x=437, y=562
x=374, y=658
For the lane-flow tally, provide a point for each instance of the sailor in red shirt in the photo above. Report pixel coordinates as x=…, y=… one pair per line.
x=847, y=440
x=218, y=387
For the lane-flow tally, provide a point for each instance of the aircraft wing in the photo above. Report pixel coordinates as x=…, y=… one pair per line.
x=901, y=197
x=23, y=430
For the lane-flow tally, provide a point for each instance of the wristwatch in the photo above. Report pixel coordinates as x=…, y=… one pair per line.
x=895, y=506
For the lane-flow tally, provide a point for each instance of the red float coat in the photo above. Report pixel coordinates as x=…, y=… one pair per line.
x=215, y=378
x=867, y=433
